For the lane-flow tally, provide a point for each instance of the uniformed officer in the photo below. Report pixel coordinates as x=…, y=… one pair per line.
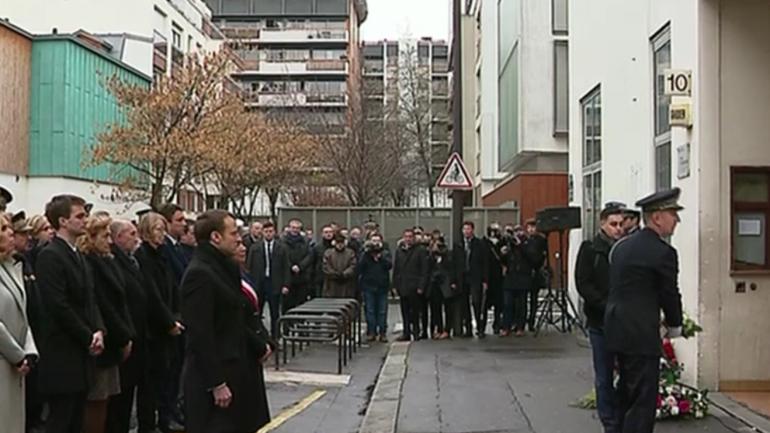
x=631, y=221
x=643, y=281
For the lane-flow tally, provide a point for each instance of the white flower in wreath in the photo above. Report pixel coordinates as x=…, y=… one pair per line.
x=674, y=410
x=657, y=413
x=698, y=414
x=671, y=401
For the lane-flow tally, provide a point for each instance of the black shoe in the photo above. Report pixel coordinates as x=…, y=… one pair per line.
x=482, y=335
x=403, y=338
x=423, y=336
x=468, y=335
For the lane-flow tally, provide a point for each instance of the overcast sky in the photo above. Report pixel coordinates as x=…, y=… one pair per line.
x=393, y=19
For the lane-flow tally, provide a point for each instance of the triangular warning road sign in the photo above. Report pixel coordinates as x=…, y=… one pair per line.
x=455, y=175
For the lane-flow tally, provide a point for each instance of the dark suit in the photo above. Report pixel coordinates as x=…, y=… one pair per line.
x=269, y=287
x=643, y=281
x=410, y=274
x=300, y=284
x=134, y=371
x=223, y=347
x=72, y=317
x=163, y=294
x=495, y=290
x=473, y=273
x=539, y=245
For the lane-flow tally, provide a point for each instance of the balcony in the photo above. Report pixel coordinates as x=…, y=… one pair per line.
x=375, y=67
x=439, y=89
x=303, y=36
x=327, y=65
x=440, y=66
x=307, y=99
x=312, y=67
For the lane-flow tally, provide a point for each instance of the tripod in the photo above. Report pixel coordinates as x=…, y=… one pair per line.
x=565, y=316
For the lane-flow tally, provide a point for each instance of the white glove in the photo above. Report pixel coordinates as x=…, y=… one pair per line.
x=674, y=332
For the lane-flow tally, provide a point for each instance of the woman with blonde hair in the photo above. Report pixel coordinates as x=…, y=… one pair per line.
x=109, y=291
x=163, y=302
x=18, y=353
x=41, y=234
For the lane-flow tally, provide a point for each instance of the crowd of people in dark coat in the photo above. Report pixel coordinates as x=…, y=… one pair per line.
x=437, y=284
x=103, y=317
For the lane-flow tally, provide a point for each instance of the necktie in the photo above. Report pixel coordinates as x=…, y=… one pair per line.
x=268, y=258
x=467, y=254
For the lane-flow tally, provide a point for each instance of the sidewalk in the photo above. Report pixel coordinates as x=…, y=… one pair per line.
x=511, y=385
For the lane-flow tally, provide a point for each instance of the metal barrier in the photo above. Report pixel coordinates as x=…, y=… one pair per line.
x=322, y=320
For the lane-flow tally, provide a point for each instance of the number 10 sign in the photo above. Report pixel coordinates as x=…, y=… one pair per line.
x=678, y=82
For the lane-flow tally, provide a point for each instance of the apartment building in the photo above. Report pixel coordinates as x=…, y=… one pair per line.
x=394, y=71
x=300, y=57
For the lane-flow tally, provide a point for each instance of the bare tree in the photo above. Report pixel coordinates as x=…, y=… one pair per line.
x=364, y=160
x=414, y=106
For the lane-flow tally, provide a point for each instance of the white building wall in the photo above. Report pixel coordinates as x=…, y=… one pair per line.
x=134, y=17
x=31, y=195
x=610, y=46
x=67, y=16
x=537, y=79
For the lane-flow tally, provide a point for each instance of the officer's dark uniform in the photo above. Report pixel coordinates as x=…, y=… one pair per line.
x=643, y=280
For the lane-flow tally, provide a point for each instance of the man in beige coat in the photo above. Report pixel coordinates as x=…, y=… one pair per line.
x=17, y=347
x=339, y=268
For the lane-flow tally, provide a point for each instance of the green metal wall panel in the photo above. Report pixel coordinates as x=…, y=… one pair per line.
x=70, y=105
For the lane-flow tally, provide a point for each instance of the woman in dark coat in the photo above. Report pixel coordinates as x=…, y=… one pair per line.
x=222, y=360
x=109, y=291
x=163, y=301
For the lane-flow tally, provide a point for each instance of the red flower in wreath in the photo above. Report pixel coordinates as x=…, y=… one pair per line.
x=684, y=406
x=660, y=402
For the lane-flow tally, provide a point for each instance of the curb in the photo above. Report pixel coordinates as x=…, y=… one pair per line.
x=732, y=409
x=382, y=412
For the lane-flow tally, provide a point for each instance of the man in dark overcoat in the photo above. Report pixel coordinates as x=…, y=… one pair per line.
x=410, y=278
x=644, y=271
x=72, y=333
x=268, y=264
x=470, y=259
x=222, y=386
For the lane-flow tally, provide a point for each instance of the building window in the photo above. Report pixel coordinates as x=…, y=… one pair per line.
x=591, y=107
x=559, y=17
x=661, y=50
x=176, y=38
x=561, y=87
x=750, y=212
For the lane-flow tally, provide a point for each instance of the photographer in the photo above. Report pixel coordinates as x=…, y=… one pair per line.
x=442, y=291
x=374, y=273
x=519, y=258
x=493, y=242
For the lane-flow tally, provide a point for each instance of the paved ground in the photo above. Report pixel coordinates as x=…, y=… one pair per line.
x=511, y=385
x=496, y=385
